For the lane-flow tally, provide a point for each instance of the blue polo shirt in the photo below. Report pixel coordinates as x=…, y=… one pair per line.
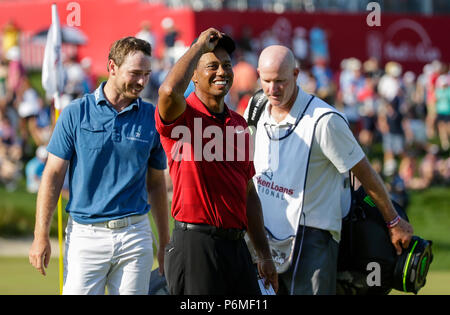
x=109, y=153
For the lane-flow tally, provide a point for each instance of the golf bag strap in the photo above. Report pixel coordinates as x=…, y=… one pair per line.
x=352, y=209
x=256, y=107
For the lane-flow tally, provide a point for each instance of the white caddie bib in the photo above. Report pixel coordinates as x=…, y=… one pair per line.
x=281, y=169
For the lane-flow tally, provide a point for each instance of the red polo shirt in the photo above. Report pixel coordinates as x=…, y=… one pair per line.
x=210, y=165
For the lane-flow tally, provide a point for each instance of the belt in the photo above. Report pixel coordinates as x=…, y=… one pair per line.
x=121, y=223
x=229, y=234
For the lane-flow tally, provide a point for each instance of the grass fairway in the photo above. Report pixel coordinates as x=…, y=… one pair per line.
x=438, y=283
x=429, y=213
x=17, y=276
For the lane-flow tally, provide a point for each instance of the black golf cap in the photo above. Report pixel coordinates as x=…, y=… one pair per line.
x=226, y=42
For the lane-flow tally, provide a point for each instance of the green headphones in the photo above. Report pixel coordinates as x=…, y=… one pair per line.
x=412, y=266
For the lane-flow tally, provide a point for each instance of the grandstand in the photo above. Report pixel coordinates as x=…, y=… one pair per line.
x=425, y=7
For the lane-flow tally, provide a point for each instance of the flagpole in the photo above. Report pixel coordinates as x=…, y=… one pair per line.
x=60, y=240
x=57, y=104
x=53, y=84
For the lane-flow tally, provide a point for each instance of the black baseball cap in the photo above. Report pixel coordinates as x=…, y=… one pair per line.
x=226, y=42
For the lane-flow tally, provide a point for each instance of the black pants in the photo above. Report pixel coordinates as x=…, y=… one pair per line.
x=198, y=263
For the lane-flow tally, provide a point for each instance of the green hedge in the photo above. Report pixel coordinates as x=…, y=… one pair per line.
x=17, y=213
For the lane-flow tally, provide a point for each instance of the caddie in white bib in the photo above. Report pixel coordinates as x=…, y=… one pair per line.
x=281, y=188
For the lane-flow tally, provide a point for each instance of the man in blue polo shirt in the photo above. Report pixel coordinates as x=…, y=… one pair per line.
x=108, y=141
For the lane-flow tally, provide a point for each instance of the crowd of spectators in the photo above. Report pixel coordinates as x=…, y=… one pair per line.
x=401, y=119
x=26, y=117
x=403, y=115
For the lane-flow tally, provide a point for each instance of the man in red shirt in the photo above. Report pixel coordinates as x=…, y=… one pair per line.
x=214, y=200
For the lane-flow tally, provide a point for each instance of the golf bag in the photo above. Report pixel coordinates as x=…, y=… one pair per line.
x=366, y=248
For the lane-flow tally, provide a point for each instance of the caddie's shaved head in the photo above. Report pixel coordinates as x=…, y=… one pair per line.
x=277, y=57
x=278, y=74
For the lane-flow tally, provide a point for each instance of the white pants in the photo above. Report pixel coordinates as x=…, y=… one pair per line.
x=98, y=257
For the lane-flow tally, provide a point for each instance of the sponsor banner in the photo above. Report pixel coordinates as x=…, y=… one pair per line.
x=411, y=40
